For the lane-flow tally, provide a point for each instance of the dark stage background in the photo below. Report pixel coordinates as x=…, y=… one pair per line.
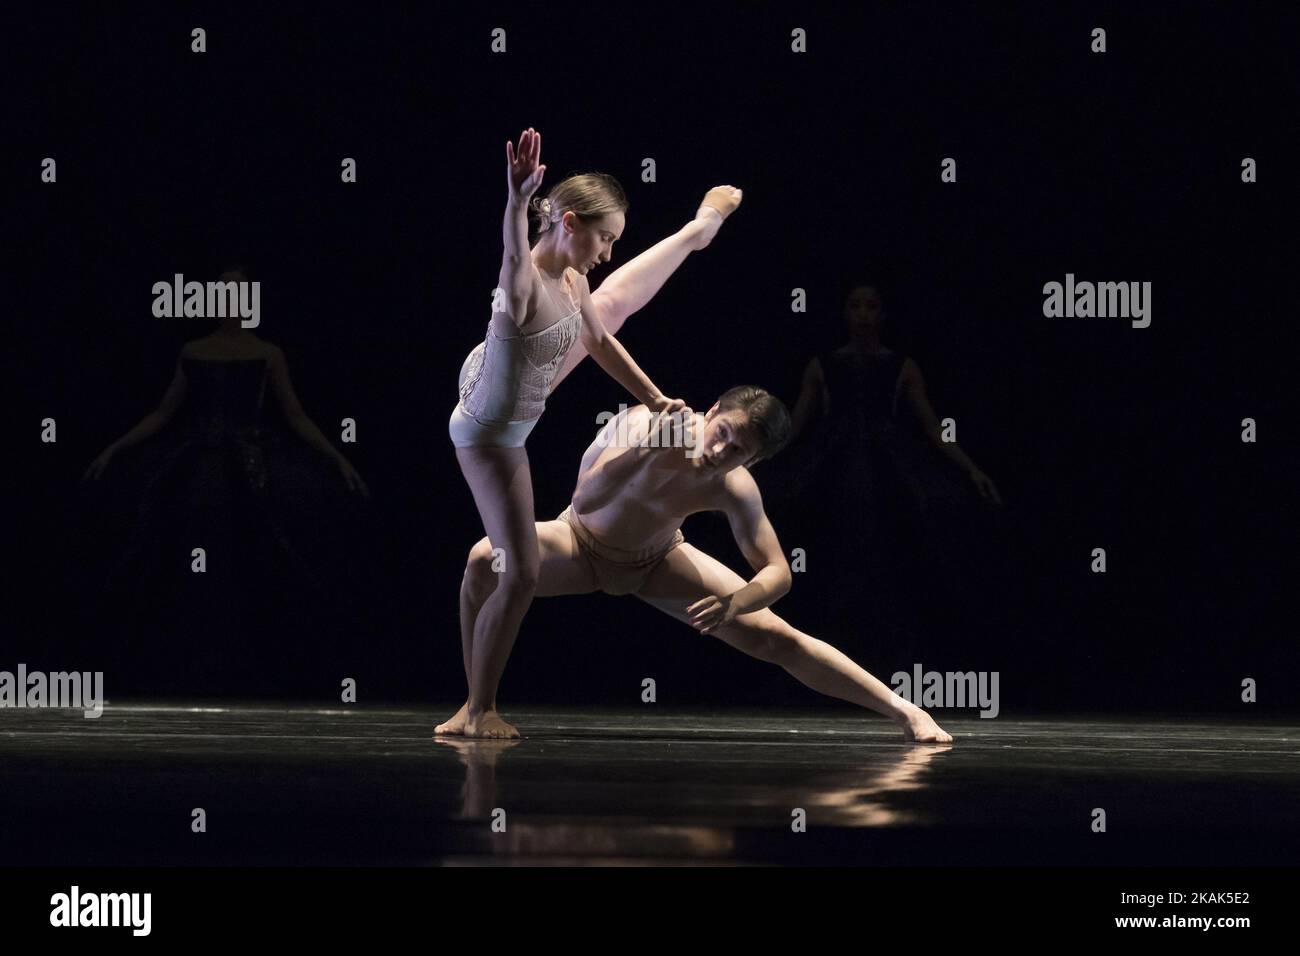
x=1123, y=166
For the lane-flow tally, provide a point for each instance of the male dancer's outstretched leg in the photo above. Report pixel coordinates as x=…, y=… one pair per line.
x=687, y=574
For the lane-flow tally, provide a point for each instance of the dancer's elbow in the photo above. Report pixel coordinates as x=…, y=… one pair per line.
x=781, y=578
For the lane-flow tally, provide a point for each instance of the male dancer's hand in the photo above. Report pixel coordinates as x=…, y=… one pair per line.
x=710, y=613
x=523, y=172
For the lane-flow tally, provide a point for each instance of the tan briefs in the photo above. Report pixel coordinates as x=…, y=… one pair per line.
x=617, y=571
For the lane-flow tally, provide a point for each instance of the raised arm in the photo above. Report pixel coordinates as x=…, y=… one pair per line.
x=523, y=176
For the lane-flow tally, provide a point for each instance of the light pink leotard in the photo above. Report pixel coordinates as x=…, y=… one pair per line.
x=504, y=382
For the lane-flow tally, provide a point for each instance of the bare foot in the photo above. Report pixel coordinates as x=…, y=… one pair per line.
x=920, y=727
x=719, y=203
x=489, y=724
x=456, y=725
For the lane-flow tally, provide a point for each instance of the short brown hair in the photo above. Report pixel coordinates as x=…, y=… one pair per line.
x=766, y=415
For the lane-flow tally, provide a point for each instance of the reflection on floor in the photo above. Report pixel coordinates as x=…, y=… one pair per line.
x=365, y=785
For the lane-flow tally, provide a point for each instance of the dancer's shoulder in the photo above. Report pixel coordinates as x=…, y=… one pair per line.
x=739, y=489
x=741, y=502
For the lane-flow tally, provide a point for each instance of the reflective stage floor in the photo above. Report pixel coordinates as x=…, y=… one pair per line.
x=367, y=785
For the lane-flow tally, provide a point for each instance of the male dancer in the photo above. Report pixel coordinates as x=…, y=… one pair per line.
x=621, y=535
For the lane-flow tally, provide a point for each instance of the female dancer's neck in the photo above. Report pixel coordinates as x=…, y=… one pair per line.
x=549, y=260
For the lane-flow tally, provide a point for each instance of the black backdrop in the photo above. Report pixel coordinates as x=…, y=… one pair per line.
x=1116, y=166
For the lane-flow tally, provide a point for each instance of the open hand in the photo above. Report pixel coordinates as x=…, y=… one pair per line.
x=523, y=171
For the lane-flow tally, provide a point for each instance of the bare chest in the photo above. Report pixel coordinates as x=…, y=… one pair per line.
x=652, y=500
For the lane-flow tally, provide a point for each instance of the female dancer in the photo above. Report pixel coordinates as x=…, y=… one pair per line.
x=504, y=381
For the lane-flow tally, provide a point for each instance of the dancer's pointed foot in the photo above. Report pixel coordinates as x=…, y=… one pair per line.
x=456, y=725
x=918, y=726
x=719, y=203
x=489, y=724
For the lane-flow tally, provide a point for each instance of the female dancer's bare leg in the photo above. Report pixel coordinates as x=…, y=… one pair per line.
x=629, y=287
x=502, y=485
x=561, y=570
